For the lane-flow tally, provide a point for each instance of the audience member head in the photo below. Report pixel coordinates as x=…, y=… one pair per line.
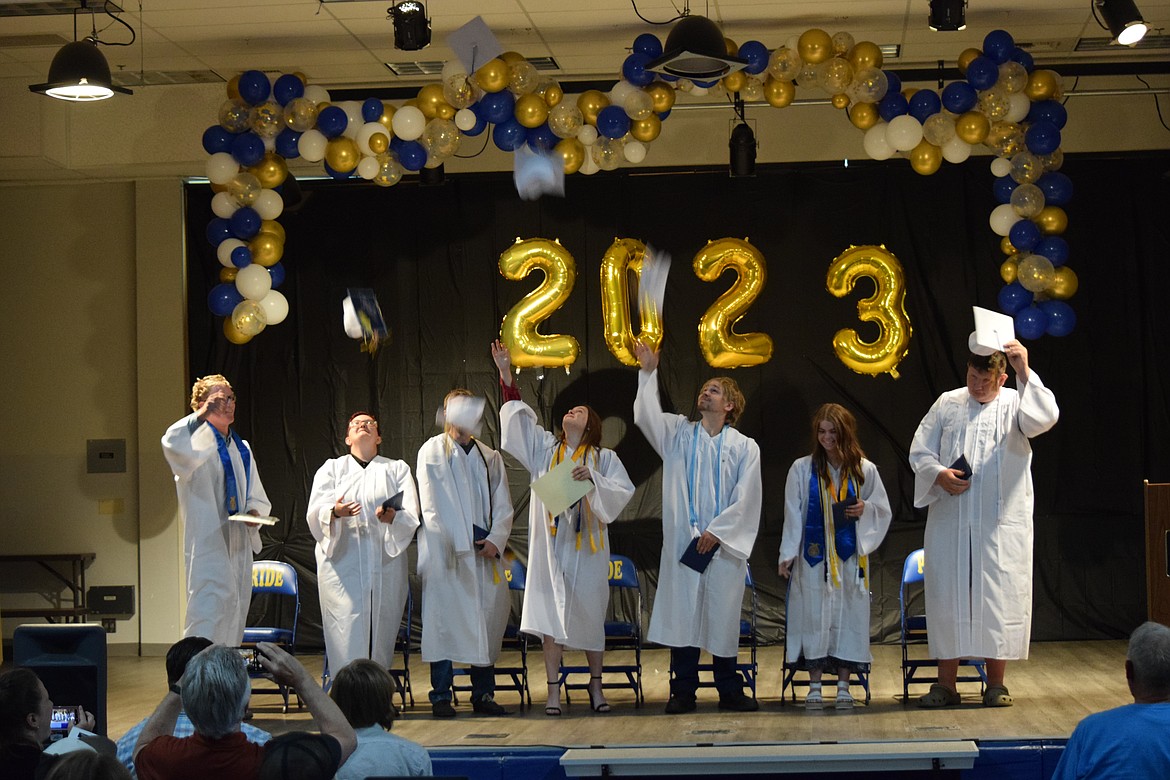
x=364, y=693
x=26, y=712
x=87, y=765
x=216, y=691
x=1147, y=664
x=300, y=755
x=181, y=653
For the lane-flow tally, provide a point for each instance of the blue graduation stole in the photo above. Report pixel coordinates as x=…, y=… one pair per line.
x=819, y=517
x=230, y=489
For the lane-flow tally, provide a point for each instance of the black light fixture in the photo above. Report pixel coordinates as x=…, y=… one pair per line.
x=412, y=28
x=432, y=177
x=79, y=71
x=742, y=145
x=1123, y=20
x=948, y=15
x=695, y=50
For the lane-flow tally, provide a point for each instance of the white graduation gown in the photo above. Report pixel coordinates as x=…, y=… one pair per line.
x=217, y=551
x=692, y=609
x=568, y=580
x=823, y=619
x=979, y=544
x=465, y=601
x=362, y=569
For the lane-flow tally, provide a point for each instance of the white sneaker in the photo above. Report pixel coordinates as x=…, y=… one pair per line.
x=813, y=701
x=844, y=699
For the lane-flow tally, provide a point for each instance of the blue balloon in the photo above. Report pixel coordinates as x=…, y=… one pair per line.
x=1031, y=322
x=245, y=223
x=894, y=81
x=998, y=46
x=1054, y=248
x=542, y=139
x=497, y=107
x=982, y=73
x=1048, y=111
x=706, y=84
x=217, y=139
x=894, y=104
x=662, y=115
x=1061, y=318
x=412, y=155
x=613, y=122
x=959, y=97
x=1013, y=297
x=756, y=55
x=480, y=124
x=248, y=148
x=276, y=271
x=1024, y=235
x=634, y=69
x=1042, y=138
x=253, y=87
x=286, y=143
x=668, y=77
x=1024, y=58
x=336, y=174
x=332, y=121
x=1003, y=188
x=648, y=44
x=288, y=88
x=509, y=135
x=223, y=298
x=372, y=109
x=1057, y=188
x=924, y=104
x=218, y=231
x=396, y=144
x=241, y=256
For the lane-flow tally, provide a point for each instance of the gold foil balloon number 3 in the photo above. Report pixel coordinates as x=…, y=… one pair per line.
x=886, y=307
x=721, y=345
x=518, y=331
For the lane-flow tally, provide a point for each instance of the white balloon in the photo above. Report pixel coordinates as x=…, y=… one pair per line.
x=223, y=205
x=617, y=95
x=353, y=112
x=465, y=119
x=587, y=135
x=956, y=150
x=1001, y=166
x=1002, y=218
x=368, y=168
x=634, y=151
x=698, y=91
x=223, y=252
x=1018, y=107
x=317, y=94
x=312, y=145
x=269, y=204
x=368, y=131
x=453, y=69
x=875, y=143
x=589, y=165
x=253, y=281
x=275, y=306
x=221, y=167
x=904, y=132
x=408, y=123
x=269, y=143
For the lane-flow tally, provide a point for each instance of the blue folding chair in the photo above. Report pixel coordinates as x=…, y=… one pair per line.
x=278, y=580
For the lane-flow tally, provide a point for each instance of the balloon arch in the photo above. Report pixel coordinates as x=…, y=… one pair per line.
x=1003, y=103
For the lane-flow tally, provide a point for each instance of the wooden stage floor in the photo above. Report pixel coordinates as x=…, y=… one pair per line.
x=1061, y=683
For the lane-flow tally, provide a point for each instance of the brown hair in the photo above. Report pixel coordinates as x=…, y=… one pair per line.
x=851, y=453
x=19, y=695
x=996, y=362
x=356, y=415
x=364, y=693
x=591, y=437
x=733, y=394
x=202, y=387
x=87, y=765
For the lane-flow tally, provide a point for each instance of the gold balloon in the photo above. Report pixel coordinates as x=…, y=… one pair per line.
x=232, y=333
x=572, y=154
x=271, y=171
x=926, y=158
x=841, y=101
x=267, y=249
x=493, y=76
x=412, y=102
x=590, y=102
x=531, y=111
x=554, y=93
x=865, y=54
x=519, y=329
x=646, y=130
x=965, y=58
x=1042, y=85
x=663, y=96
x=626, y=256
x=430, y=97
x=908, y=92
x=1052, y=220
x=233, y=87
x=731, y=47
x=1064, y=283
x=815, y=46
x=779, y=92
x=1005, y=246
x=864, y=115
x=735, y=82
x=387, y=118
x=342, y=154
x=886, y=307
x=379, y=143
x=273, y=227
x=228, y=274
x=972, y=127
x=721, y=345
x=1009, y=270
x=218, y=188
x=512, y=57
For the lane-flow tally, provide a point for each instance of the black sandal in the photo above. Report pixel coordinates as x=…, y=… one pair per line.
x=549, y=710
x=603, y=706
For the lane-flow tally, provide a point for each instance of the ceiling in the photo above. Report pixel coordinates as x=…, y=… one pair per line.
x=347, y=43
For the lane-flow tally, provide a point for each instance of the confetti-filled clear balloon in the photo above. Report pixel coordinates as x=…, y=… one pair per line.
x=809, y=76
x=1034, y=272
x=753, y=90
x=565, y=119
x=785, y=63
x=1012, y=76
x=300, y=114
x=523, y=77
x=249, y=317
x=607, y=153
x=842, y=43
x=1027, y=200
x=836, y=75
x=441, y=137
x=939, y=128
x=994, y=102
x=267, y=119
x=244, y=188
x=390, y=170
x=1053, y=162
x=638, y=104
x=1026, y=168
x=234, y=116
x=458, y=92
x=869, y=85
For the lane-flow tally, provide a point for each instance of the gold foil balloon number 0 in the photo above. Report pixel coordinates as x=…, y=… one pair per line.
x=886, y=307
x=721, y=345
x=625, y=256
x=518, y=331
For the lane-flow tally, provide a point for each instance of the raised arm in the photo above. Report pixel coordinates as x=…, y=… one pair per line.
x=287, y=670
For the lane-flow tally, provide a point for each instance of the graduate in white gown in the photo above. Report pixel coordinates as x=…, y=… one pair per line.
x=362, y=568
x=568, y=556
x=462, y=484
x=712, y=494
x=979, y=530
x=828, y=599
x=215, y=476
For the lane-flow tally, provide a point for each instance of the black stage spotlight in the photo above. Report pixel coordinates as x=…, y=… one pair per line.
x=742, y=149
x=412, y=28
x=948, y=15
x=1123, y=19
x=432, y=177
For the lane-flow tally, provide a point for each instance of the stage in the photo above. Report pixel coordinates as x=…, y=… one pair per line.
x=1061, y=683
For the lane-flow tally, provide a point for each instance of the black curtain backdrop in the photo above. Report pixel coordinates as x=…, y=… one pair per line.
x=431, y=255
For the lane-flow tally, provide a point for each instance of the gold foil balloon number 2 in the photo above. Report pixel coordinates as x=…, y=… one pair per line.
x=886, y=307
x=518, y=331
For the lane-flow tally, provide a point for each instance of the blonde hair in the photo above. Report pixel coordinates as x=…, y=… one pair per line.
x=732, y=393
x=202, y=387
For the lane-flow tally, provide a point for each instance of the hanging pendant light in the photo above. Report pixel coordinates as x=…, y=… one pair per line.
x=695, y=50
x=79, y=73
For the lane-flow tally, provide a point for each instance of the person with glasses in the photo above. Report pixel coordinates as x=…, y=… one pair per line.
x=217, y=480
x=363, y=512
